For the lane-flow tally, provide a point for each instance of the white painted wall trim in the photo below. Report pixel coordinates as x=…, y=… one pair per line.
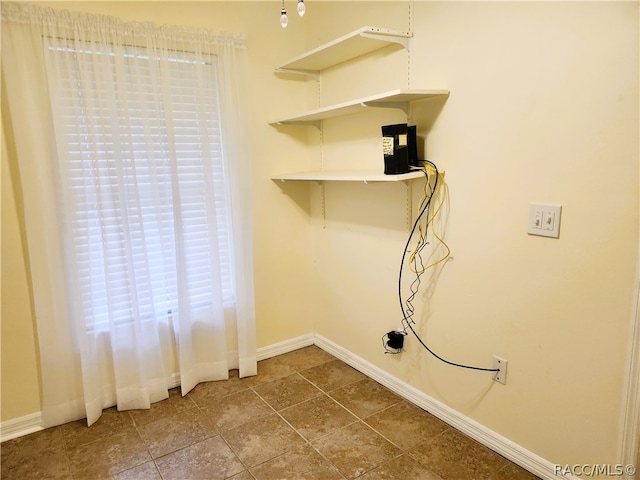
x=630, y=441
x=20, y=426
x=505, y=447
x=285, y=346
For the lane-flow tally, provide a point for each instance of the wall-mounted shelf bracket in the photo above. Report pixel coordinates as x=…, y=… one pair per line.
x=315, y=74
x=404, y=106
x=404, y=41
x=400, y=98
x=284, y=180
x=304, y=123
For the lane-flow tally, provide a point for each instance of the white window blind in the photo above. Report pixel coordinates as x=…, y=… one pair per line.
x=145, y=188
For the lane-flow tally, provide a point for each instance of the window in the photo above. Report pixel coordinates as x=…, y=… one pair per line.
x=146, y=194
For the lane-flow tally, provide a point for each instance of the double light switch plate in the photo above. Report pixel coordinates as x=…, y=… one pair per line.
x=544, y=219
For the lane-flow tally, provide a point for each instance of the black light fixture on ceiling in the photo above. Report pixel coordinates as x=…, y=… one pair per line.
x=284, y=19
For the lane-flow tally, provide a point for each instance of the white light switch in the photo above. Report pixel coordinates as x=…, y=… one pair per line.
x=544, y=219
x=537, y=220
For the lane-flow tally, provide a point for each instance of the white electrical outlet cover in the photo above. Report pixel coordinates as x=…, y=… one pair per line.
x=501, y=375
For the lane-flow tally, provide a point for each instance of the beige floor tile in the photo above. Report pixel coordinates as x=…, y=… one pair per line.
x=406, y=425
x=46, y=468
x=286, y=392
x=365, y=397
x=211, y=459
x=400, y=468
x=269, y=370
x=172, y=433
x=146, y=471
x=40, y=455
x=231, y=411
x=305, y=358
x=513, y=472
x=108, y=456
x=206, y=391
x=303, y=463
x=46, y=443
x=261, y=440
x=317, y=417
x=110, y=423
x=332, y=375
x=455, y=456
x=173, y=405
x=356, y=449
x=243, y=476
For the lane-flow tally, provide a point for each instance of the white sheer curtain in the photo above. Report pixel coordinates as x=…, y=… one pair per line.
x=135, y=176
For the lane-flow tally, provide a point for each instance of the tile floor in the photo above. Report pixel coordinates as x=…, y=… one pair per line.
x=305, y=415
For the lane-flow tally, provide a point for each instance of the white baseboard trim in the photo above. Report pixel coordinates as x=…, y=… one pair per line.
x=285, y=346
x=20, y=426
x=496, y=442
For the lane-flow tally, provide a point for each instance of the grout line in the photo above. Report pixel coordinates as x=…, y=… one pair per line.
x=246, y=468
x=158, y=470
x=326, y=394
x=357, y=419
x=401, y=451
x=387, y=461
x=281, y=417
x=306, y=442
x=329, y=461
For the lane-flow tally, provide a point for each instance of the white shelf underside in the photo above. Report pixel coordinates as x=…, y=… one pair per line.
x=365, y=176
x=399, y=98
x=354, y=44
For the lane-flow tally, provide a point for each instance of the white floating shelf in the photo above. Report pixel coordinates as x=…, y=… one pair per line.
x=400, y=98
x=365, y=176
x=354, y=44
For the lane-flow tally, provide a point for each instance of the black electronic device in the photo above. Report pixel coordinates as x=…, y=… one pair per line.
x=400, y=148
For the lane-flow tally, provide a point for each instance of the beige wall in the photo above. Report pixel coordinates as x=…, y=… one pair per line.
x=543, y=107
x=20, y=381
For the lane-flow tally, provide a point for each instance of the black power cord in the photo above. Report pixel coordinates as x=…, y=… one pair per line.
x=406, y=319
